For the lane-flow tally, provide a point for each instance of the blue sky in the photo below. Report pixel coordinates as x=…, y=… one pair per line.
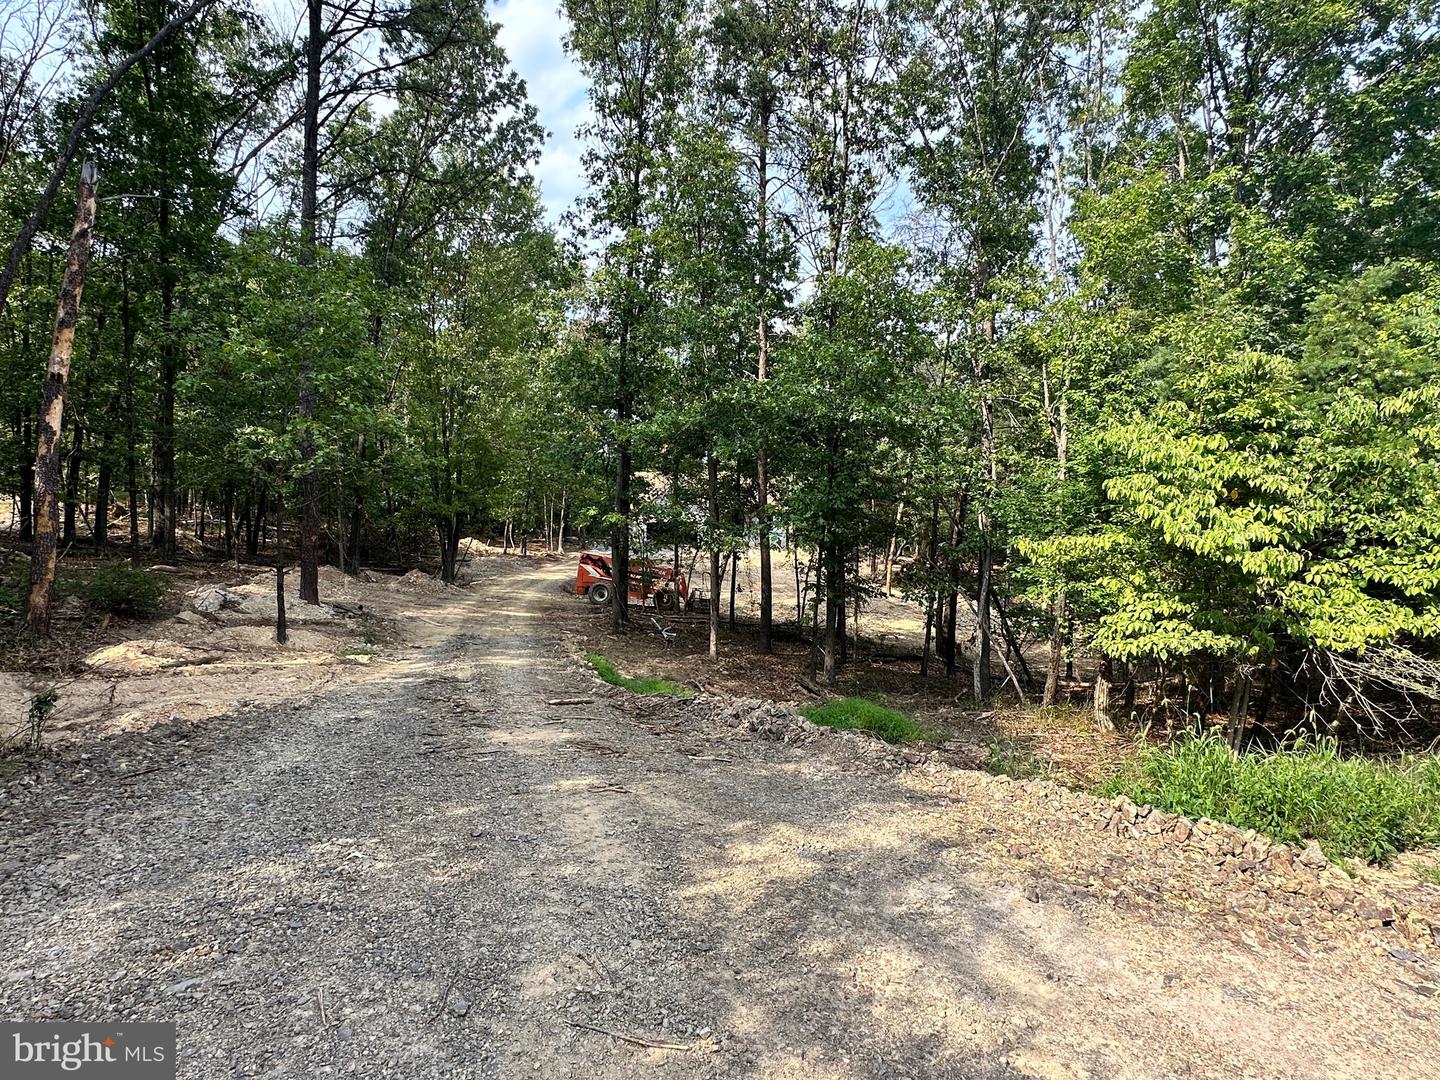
x=531, y=33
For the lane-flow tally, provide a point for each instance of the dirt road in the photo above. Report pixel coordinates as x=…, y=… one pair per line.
x=435, y=873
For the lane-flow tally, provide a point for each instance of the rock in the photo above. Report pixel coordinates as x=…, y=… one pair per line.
x=345, y=1034
x=1182, y=829
x=459, y=1004
x=183, y=985
x=1313, y=857
x=163, y=568
x=212, y=599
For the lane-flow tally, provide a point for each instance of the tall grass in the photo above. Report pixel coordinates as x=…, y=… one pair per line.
x=855, y=713
x=1307, y=790
x=611, y=674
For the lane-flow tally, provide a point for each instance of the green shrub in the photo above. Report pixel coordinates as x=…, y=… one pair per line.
x=607, y=671
x=114, y=587
x=1305, y=791
x=855, y=713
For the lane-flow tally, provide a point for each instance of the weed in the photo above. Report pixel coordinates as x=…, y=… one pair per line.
x=608, y=672
x=1429, y=874
x=1308, y=790
x=1014, y=762
x=38, y=717
x=114, y=587
x=857, y=713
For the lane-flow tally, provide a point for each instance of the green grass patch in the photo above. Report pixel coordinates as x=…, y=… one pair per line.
x=1307, y=790
x=860, y=714
x=611, y=674
x=1430, y=874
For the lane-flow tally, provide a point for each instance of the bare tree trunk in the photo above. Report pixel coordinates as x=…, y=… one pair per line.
x=52, y=408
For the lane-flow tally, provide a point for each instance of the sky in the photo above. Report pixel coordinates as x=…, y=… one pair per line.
x=531, y=32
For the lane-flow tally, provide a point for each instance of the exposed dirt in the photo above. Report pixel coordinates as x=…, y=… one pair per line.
x=1063, y=742
x=415, y=865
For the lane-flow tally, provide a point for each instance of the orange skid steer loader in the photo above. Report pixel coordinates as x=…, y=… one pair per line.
x=651, y=585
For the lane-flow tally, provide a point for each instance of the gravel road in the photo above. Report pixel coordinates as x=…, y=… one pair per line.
x=427, y=870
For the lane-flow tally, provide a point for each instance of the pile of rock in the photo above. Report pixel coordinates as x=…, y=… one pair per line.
x=254, y=603
x=1273, y=867
x=767, y=719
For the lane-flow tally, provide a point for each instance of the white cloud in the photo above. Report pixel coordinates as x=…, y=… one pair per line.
x=531, y=33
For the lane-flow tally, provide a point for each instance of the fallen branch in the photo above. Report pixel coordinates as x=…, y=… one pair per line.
x=703, y=1045
x=197, y=662
x=571, y=701
x=139, y=772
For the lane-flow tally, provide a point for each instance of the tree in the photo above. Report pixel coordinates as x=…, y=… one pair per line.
x=52, y=407
x=635, y=55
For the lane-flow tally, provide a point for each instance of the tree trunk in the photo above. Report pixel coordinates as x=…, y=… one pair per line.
x=309, y=179
x=1057, y=651
x=104, y=479
x=73, y=469
x=27, y=480
x=281, y=631
x=891, y=550
x=834, y=600
x=1103, y=718
x=1240, y=709
x=229, y=501
x=620, y=537
x=734, y=577
x=52, y=408
x=712, y=467
x=762, y=369
x=452, y=527
x=355, y=526
x=982, y=624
